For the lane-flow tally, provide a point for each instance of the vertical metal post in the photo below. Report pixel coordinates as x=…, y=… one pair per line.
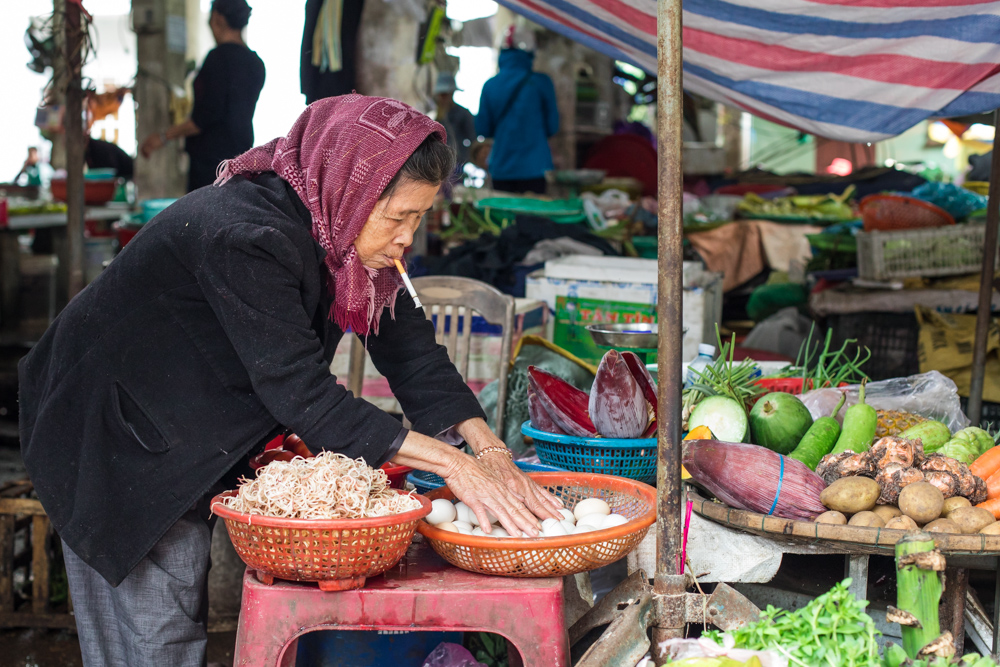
x=983, y=314
x=73, y=125
x=669, y=312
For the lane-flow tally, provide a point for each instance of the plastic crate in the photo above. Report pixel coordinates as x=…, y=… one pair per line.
x=942, y=251
x=891, y=337
x=988, y=416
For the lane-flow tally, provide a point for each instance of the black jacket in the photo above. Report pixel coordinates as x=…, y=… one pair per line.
x=208, y=335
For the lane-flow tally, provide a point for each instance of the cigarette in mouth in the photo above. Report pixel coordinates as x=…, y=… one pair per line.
x=409, y=285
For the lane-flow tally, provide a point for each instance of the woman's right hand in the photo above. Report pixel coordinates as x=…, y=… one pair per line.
x=482, y=489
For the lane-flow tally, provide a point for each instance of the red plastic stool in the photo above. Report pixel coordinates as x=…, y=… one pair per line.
x=422, y=592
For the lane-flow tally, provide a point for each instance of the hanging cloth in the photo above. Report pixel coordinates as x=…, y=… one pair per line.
x=327, y=53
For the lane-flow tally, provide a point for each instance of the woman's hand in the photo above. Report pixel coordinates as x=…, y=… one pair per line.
x=542, y=503
x=479, y=436
x=486, y=492
x=478, y=486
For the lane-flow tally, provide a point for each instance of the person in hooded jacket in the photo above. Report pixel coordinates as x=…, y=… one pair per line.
x=518, y=111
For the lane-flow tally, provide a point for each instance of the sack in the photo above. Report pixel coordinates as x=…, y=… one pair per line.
x=945, y=344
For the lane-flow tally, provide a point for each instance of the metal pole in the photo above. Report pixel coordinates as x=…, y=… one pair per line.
x=983, y=314
x=669, y=310
x=73, y=125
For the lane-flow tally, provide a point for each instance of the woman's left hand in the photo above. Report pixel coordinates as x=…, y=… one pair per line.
x=541, y=503
x=538, y=500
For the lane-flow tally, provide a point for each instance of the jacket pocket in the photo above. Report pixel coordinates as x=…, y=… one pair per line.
x=137, y=422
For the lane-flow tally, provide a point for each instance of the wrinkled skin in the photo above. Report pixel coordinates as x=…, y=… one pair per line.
x=894, y=450
x=845, y=464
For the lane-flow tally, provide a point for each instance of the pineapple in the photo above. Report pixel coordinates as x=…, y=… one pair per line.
x=894, y=422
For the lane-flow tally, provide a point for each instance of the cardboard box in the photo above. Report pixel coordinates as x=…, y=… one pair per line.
x=582, y=290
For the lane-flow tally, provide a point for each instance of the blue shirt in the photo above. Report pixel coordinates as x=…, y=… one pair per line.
x=520, y=138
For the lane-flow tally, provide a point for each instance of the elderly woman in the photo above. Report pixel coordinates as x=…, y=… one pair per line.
x=211, y=333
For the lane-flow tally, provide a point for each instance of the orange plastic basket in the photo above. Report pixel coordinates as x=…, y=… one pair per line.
x=339, y=554
x=894, y=212
x=554, y=556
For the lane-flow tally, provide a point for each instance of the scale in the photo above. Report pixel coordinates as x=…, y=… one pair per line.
x=638, y=337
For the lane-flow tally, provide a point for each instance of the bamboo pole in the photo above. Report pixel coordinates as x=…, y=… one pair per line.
x=918, y=592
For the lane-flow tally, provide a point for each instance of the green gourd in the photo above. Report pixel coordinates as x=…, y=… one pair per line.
x=819, y=439
x=860, y=422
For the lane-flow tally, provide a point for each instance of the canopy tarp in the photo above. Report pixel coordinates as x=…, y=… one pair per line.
x=852, y=70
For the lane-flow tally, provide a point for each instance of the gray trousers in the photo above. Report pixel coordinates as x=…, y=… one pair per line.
x=158, y=614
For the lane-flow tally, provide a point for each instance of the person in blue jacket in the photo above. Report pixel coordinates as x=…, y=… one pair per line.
x=518, y=111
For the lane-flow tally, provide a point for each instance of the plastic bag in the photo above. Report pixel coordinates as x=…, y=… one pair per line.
x=958, y=201
x=451, y=655
x=930, y=395
x=679, y=649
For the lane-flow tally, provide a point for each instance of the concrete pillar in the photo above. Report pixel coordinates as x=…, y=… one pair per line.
x=161, y=30
x=387, y=52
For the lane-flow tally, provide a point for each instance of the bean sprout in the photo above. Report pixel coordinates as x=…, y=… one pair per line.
x=327, y=486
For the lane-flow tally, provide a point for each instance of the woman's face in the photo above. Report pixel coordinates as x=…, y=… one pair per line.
x=393, y=222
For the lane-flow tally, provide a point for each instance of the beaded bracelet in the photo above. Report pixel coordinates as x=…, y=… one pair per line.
x=494, y=448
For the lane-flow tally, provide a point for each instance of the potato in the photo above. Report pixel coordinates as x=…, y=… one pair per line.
x=901, y=522
x=992, y=529
x=851, y=495
x=920, y=501
x=832, y=517
x=971, y=519
x=887, y=512
x=953, y=503
x=869, y=519
x=943, y=526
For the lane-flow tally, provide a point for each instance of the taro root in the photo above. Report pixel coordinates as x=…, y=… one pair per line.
x=618, y=405
x=893, y=478
x=979, y=495
x=967, y=485
x=845, y=464
x=945, y=464
x=895, y=450
x=565, y=404
x=945, y=482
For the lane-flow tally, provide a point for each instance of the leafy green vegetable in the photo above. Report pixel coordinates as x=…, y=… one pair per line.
x=831, y=631
x=723, y=378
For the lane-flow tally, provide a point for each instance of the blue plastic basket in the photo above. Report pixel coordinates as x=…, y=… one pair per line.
x=427, y=481
x=631, y=458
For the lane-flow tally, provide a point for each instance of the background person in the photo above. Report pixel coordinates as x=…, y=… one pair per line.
x=518, y=110
x=225, y=96
x=456, y=119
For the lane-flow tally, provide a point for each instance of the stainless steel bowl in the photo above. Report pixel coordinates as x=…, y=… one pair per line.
x=635, y=336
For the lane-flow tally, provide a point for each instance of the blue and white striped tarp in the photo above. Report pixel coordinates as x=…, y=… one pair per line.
x=853, y=70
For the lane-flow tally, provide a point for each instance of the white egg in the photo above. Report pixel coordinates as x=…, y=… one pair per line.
x=593, y=520
x=556, y=529
x=590, y=506
x=583, y=528
x=568, y=516
x=447, y=525
x=569, y=526
x=463, y=526
x=464, y=531
x=612, y=520
x=441, y=511
x=478, y=531
x=547, y=523
x=465, y=513
x=498, y=532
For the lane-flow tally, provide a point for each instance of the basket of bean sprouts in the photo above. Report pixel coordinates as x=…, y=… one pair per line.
x=328, y=519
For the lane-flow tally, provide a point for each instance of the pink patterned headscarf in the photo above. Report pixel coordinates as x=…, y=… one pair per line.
x=338, y=157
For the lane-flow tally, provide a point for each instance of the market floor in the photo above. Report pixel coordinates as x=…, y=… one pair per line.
x=49, y=648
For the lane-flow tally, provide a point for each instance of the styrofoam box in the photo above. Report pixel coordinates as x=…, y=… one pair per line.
x=631, y=280
x=530, y=317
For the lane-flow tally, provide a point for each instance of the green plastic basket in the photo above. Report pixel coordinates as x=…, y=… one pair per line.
x=559, y=210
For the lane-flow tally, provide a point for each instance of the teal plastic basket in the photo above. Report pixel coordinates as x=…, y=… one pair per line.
x=428, y=481
x=631, y=458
